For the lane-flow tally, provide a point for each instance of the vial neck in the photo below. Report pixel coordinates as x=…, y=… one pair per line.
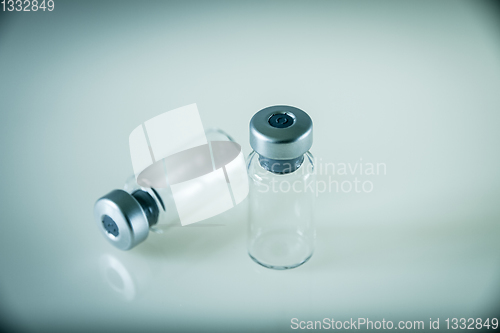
x=281, y=166
x=148, y=205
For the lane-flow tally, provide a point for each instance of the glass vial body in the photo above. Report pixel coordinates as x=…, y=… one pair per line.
x=281, y=231
x=162, y=197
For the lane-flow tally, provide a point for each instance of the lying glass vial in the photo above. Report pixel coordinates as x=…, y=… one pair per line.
x=125, y=216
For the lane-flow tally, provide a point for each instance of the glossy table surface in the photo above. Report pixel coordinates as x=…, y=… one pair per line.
x=413, y=86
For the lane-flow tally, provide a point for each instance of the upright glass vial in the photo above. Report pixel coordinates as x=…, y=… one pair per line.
x=281, y=169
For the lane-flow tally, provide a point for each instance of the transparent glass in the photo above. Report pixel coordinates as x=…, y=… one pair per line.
x=168, y=215
x=281, y=231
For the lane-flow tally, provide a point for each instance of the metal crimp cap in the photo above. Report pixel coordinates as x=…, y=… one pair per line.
x=281, y=132
x=121, y=219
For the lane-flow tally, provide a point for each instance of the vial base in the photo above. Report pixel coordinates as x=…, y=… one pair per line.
x=280, y=250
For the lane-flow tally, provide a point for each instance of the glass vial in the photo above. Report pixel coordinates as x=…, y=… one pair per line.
x=281, y=231
x=126, y=216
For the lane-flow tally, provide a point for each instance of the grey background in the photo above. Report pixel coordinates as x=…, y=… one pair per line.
x=414, y=85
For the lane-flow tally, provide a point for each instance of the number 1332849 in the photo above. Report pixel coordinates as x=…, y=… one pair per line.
x=27, y=5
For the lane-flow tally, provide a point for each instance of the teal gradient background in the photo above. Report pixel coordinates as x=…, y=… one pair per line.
x=412, y=84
